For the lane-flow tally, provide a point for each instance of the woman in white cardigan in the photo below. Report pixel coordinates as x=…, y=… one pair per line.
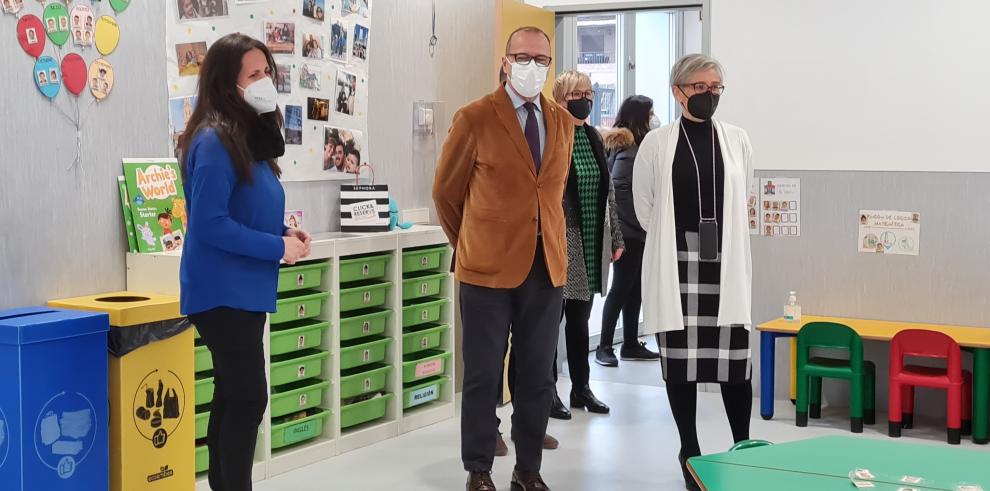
x=690, y=184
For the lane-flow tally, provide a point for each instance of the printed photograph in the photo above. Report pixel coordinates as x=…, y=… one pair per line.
x=338, y=42
x=314, y=9
x=309, y=76
x=101, y=78
x=82, y=26
x=53, y=76
x=360, y=50
x=201, y=9
x=293, y=125
x=341, y=150
x=318, y=109
x=283, y=79
x=293, y=218
x=313, y=46
x=180, y=109
x=346, y=93
x=280, y=37
x=359, y=7
x=32, y=35
x=189, y=57
x=11, y=6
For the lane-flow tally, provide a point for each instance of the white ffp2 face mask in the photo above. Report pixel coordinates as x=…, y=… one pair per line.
x=655, y=122
x=261, y=95
x=528, y=80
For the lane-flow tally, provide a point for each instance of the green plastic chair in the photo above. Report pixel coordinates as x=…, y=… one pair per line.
x=811, y=370
x=748, y=444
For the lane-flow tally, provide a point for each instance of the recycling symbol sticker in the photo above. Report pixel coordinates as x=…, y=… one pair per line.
x=4, y=440
x=65, y=432
x=158, y=404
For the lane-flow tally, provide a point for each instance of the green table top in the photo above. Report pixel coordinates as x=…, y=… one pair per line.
x=940, y=466
x=717, y=476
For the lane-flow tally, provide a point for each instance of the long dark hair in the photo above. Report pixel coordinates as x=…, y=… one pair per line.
x=634, y=115
x=221, y=107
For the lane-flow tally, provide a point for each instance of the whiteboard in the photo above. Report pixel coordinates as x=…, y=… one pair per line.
x=879, y=85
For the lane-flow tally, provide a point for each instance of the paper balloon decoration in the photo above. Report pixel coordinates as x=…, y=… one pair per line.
x=31, y=35
x=107, y=34
x=74, y=73
x=47, y=76
x=57, y=23
x=82, y=21
x=119, y=5
x=101, y=78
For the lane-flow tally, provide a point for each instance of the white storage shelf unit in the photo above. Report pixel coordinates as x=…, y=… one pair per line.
x=159, y=273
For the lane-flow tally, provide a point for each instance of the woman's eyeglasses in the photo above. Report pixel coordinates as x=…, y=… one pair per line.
x=577, y=94
x=525, y=59
x=700, y=87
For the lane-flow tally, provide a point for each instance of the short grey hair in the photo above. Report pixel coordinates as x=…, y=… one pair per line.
x=691, y=64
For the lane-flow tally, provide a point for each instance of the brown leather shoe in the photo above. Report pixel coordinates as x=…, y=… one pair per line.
x=549, y=443
x=480, y=481
x=528, y=481
x=501, y=449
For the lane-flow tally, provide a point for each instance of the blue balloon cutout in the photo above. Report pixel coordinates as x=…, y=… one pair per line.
x=48, y=76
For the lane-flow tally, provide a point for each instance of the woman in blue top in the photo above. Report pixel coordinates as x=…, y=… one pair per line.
x=234, y=241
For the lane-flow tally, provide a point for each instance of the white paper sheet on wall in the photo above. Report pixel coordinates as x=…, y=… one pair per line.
x=752, y=206
x=889, y=232
x=780, y=207
x=342, y=72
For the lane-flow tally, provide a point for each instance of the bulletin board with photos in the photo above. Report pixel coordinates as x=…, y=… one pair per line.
x=321, y=52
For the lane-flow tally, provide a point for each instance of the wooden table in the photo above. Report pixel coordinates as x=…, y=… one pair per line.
x=825, y=464
x=976, y=338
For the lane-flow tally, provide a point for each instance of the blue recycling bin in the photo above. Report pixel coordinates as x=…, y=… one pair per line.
x=53, y=400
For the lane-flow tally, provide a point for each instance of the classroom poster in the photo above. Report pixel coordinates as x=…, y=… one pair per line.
x=889, y=232
x=780, y=207
x=752, y=205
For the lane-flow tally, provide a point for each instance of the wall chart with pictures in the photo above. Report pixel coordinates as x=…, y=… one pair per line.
x=321, y=49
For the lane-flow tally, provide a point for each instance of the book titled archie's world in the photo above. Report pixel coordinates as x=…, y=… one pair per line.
x=157, y=203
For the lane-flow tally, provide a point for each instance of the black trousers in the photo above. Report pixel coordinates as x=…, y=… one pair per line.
x=738, y=402
x=531, y=312
x=576, y=315
x=625, y=296
x=235, y=341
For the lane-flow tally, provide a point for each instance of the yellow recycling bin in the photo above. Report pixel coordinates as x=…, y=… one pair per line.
x=152, y=390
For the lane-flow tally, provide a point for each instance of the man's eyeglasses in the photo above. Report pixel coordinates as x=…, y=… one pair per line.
x=525, y=59
x=703, y=87
x=577, y=94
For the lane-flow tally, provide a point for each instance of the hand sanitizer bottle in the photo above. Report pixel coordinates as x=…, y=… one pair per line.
x=792, y=310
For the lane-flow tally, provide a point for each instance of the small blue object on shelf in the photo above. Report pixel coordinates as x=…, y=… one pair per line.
x=393, y=211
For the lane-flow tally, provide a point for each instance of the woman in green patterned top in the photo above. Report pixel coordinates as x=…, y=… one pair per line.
x=593, y=237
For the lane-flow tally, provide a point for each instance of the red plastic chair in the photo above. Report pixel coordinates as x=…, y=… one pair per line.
x=904, y=378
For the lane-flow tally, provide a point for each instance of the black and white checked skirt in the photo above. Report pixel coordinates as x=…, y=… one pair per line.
x=704, y=351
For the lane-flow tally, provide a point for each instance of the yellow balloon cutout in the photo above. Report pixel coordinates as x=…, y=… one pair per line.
x=107, y=35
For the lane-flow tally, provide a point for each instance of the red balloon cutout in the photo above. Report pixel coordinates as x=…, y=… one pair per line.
x=74, y=73
x=31, y=34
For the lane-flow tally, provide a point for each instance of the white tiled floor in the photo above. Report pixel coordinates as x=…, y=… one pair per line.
x=634, y=448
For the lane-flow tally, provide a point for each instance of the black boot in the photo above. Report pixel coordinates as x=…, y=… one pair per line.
x=558, y=410
x=689, y=483
x=584, y=398
x=605, y=356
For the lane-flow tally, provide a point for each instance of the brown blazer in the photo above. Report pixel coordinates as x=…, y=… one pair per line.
x=490, y=200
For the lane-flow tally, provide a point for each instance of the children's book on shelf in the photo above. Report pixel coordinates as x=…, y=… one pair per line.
x=157, y=203
x=125, y=205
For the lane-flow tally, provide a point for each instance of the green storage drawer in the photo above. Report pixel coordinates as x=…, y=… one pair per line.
x=204, y=360
x=422, y=311
x=297, y=306
x=363, y=352
x=364, y=411
x=297, y=366
x=292, y=432
x=420, y=338
x=196, y=335
x=363, y=295
x=423, y=365
x=362, y=324
x=422, y=393
x=204, y=388
x=421, y=285
x=370, y=267
x=426, y=259
x=297, y=397
x=356, y=382
x=297, y=336
x=302, y=276
x=202, y=459
x=202, y=424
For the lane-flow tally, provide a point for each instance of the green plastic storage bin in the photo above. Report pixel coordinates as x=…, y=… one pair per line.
x=421, y=285
x=203, y=359
x=202, y=424
x=302, y=276
x=425, y=259
x=297, y=366
x=422, y=393
x=356, y=382
x=296, y=306
x=364, y=411
x=423, y=365
x=365, y=323
x=297, y=397
x=421, y=338
x=300, y=430
x=363, y=295
x=204, y=388
x=422, y=311
x=370, y=267
x=202, y=459
x=297, y=336
x=363, y=352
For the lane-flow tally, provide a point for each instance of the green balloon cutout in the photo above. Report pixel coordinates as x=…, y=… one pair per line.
x=119, y=5
x=56, y=21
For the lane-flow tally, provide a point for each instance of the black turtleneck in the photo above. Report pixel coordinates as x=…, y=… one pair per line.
x=685, y=179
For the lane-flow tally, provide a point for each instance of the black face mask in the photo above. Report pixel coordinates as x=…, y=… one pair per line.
x=703, y=105
x=579, y=108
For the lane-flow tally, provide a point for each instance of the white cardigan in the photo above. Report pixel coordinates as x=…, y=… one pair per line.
x=654, y=201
